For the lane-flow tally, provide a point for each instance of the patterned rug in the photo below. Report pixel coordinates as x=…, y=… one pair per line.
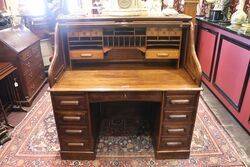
x=34, y=143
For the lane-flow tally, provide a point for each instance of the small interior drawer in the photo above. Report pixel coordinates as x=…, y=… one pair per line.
x=86, y=54
x=152, y=31
x=170, y=31
x=179, y=117
x=176, y=130
x=162, y=54
x=69, y=132
x=71, y=117
x=175, y=143
x=70, y=102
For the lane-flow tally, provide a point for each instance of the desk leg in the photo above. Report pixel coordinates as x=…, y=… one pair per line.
x=5, y=116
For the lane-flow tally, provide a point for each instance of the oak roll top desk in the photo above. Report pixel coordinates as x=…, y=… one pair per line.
x=109, y=59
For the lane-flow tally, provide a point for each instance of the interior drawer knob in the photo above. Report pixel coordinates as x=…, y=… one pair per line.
x=73, y=131
x=176, y=130
x=69, y=102
x=184, y=101
x=86, y=55
x=76, y=144
x=162, y=54
x=68, y=118
x=183, y=116
x=174, y=143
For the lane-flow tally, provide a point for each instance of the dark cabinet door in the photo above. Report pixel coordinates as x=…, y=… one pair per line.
x=206, y=50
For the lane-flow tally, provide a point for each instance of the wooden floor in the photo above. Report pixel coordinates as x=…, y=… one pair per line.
x=125, y=79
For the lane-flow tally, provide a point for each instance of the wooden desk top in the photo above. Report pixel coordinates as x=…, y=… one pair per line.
x=160, y=79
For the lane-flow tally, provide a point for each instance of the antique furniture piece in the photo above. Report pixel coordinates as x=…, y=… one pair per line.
x=107, y=60
x=22, y=48
x=224, y=54
x=9, y=95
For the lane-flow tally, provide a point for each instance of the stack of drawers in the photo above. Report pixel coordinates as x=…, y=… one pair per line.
x=73, y=125
x=31, y=64
x=179, y=111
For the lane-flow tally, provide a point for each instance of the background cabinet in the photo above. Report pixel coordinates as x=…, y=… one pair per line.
x=21, y=47
x=225, y=57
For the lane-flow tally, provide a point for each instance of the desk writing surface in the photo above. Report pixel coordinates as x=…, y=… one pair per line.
x=125, y=80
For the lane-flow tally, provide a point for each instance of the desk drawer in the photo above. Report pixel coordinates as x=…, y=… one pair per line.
x=86, y=54
x=75, y=144
x=125, y=96
x=71, y=117
x=181, y=101
x=179, y=117
x=70, y=102
x=176, y=130
x=162, y=54
x=175, y=143
x=75, y=132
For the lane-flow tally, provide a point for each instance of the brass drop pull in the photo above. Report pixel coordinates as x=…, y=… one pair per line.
x=162, y=54
x=86, y=55
x=176, y=130
x=184, y=101
x=183, y=116
x=68, y=118
x=76, y=144
x=174, y=143
x=73, y=131
x=69, y=102
x=125, y=95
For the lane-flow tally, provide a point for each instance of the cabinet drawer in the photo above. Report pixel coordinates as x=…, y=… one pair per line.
x=75, y=144
x=175, y=143
x=77, y=132
x=179, y=117
x=162, y=54
x=86, y=54
x=26, y=54
x=176, y=130
x=71, y=117
x=125, y=96
x=181, y=101
x=35, y=49
x=70, y=102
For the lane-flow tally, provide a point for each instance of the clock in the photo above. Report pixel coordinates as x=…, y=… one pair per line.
x=125, y=4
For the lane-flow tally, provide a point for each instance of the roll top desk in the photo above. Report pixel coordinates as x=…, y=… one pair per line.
x=144, y=59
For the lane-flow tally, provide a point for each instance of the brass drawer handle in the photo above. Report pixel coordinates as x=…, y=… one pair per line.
x=176, y=130
x=184, y=101
x=174, y=143
x=76, y=144
x=67, y=118
x=73, y=131
x=177, y=116
x=162, y=54
x=69, y=103
x=86, y=55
